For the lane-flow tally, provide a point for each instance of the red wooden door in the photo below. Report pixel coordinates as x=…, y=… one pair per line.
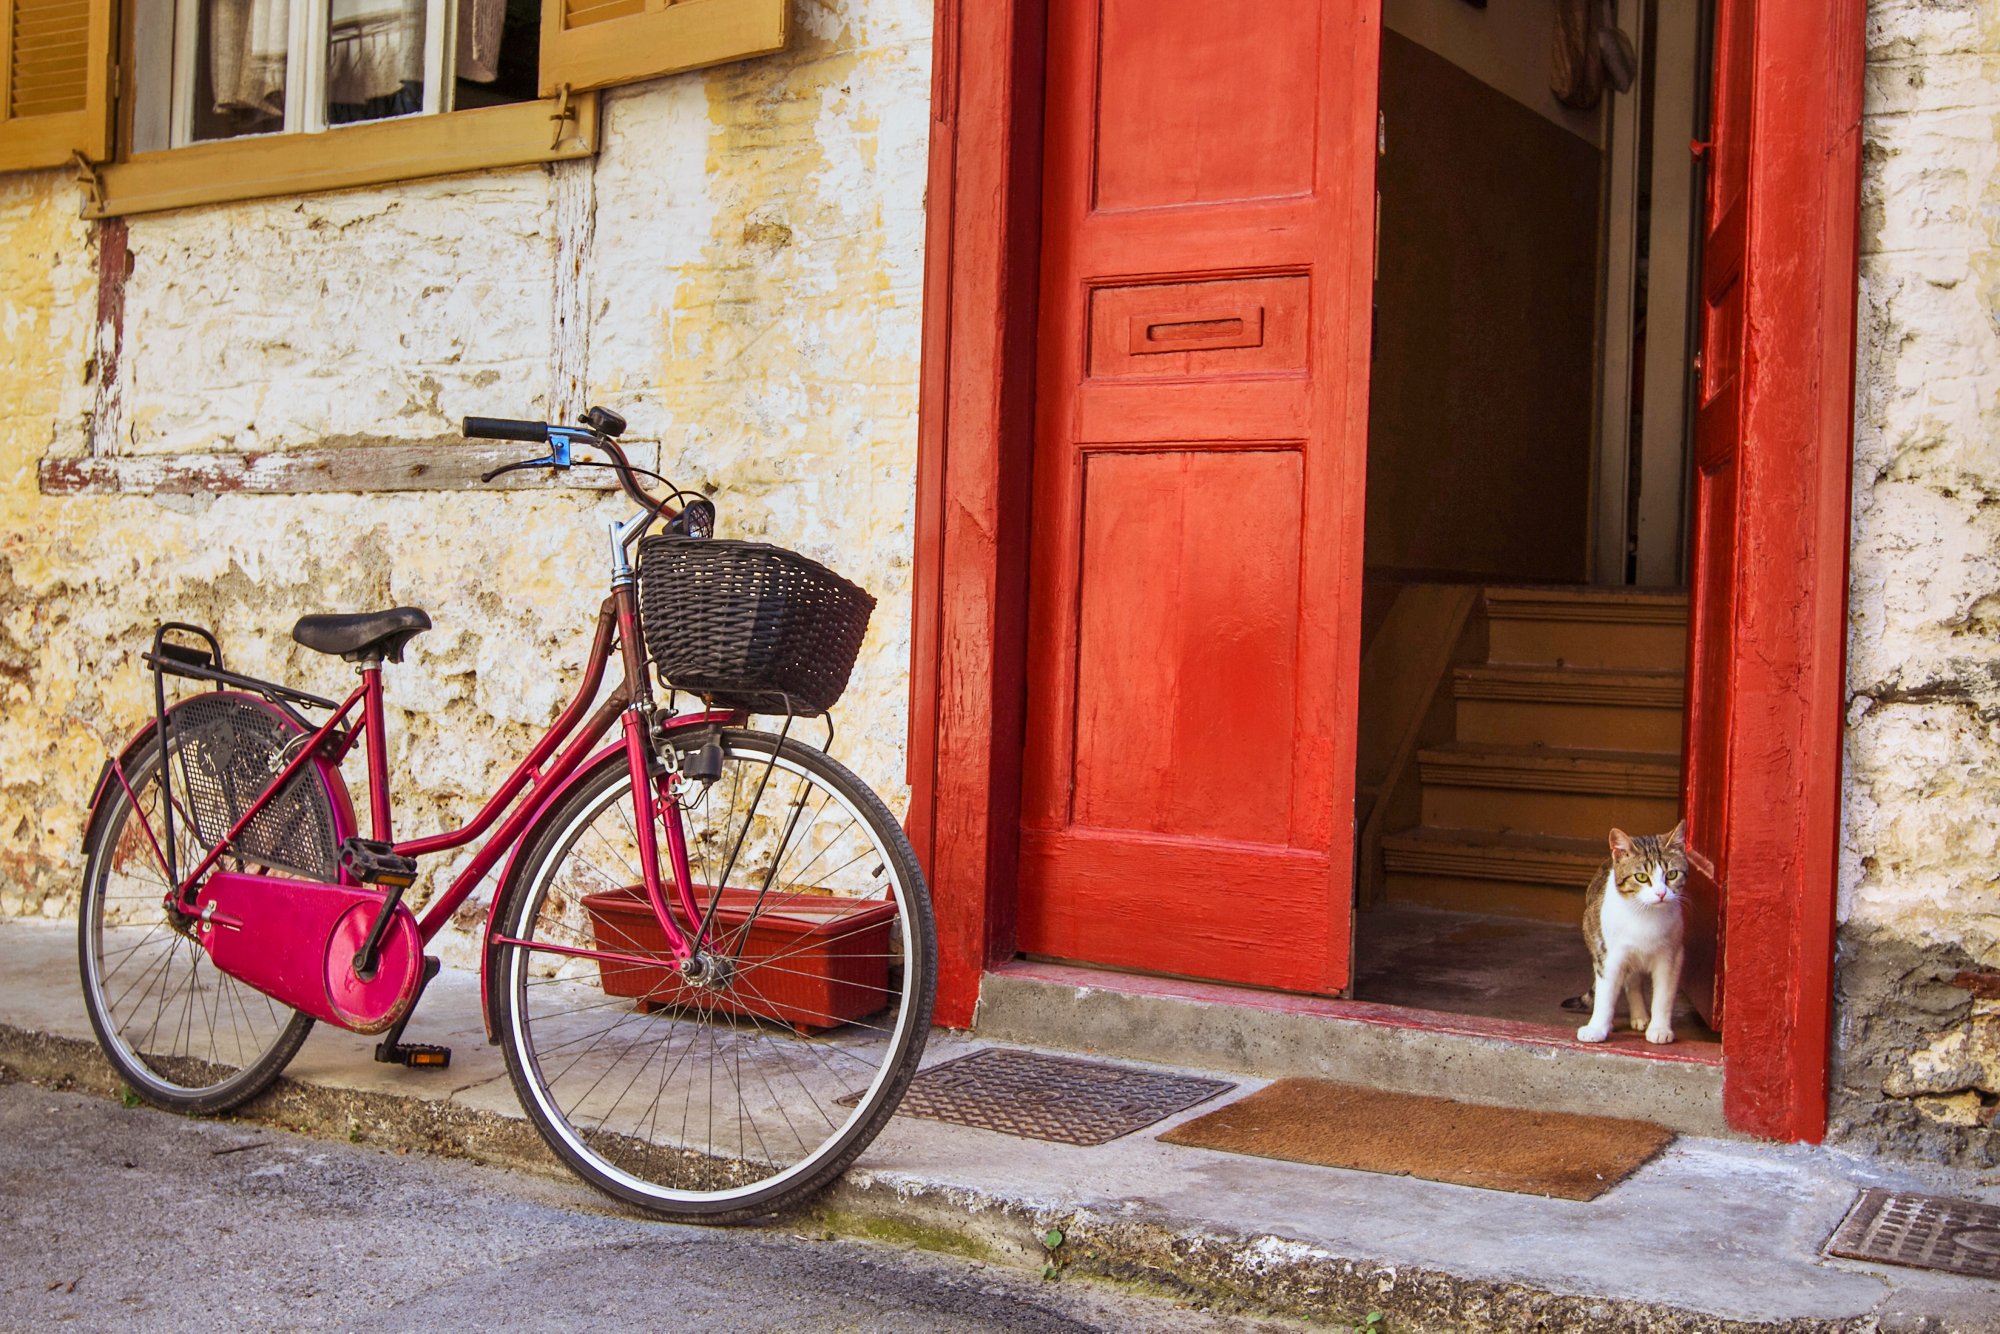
x=1718, y=439
x=1196, y=553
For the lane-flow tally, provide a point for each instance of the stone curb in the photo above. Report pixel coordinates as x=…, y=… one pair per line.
x=1261, y=1273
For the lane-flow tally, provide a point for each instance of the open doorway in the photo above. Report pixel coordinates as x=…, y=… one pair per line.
x=1524, y=613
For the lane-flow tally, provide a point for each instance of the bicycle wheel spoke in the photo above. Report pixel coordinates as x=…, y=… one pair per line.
x=159, y=962
x=138, y=945
x=169, y=966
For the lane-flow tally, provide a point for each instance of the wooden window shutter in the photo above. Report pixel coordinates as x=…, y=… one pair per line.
x=596, y=43
x=55, y=81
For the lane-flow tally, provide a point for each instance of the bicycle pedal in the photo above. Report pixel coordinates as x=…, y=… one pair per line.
x=413, y=1054
x=373, y=862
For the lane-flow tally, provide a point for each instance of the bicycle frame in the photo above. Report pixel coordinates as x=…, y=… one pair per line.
x=563, y=752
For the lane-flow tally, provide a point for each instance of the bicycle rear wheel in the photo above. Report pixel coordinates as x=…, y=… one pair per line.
x=182, y=1034
x=723, y=1098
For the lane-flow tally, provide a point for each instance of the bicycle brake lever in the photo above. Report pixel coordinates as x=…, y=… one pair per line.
x=560, y=439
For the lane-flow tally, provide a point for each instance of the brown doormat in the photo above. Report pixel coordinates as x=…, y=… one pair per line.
x=1559, y=1154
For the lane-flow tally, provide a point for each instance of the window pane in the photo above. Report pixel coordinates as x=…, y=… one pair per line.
x=240, y=68
x=152, y=77
x=374, y=60
x=498, y=45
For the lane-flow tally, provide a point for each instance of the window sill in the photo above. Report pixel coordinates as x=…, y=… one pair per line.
x=353, y=155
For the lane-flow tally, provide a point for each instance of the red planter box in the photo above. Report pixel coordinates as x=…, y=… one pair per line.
x=835, y=967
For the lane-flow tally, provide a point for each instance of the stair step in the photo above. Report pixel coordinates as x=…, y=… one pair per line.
x=1590, y=708
x=1508, y=874
x=1587, y=627
x=1549, y=789
x=1478, y=854
x=1583, y=602
x=1571, y=685
x=1646, y=773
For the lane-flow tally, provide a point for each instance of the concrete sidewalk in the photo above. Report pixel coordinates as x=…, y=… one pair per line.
x=1713, y=1235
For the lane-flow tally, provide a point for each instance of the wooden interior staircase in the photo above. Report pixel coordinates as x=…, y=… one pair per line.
x=1570, y=725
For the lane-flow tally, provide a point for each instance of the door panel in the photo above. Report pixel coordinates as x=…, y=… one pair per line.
x=1165, y=634
x=1195, y=562
x=1197, y=103
x=1712, y=609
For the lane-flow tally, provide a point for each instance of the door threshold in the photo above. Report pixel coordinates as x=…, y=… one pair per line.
x=1621, y=1043
x=1272, y=1035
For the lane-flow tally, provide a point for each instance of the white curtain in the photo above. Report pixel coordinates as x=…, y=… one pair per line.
x=479, y=26
x=246, y=54
x=375, y=47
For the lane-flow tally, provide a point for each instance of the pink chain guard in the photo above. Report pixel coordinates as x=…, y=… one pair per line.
x=295, y=941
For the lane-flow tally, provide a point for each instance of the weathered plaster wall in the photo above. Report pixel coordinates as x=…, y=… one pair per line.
x=739, y=272
x=47, y=304
x=1920, y=868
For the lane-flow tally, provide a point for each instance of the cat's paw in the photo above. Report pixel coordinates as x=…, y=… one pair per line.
x=1659, y=1034
x=1593, y=1033
x=1637, y=1023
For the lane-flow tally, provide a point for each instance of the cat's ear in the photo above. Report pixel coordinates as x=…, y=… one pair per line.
x=1621, y=843
x=1678, y=838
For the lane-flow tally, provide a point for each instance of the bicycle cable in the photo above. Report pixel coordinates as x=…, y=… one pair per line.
x=674, y=493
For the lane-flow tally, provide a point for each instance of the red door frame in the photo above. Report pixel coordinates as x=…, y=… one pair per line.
x=976, y=431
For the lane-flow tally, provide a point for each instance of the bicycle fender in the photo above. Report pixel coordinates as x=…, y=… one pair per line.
x=107, y=781
x=718, y=718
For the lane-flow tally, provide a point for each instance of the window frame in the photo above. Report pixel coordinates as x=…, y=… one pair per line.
x=657, y=39
x=307, y=60
x=305, y=160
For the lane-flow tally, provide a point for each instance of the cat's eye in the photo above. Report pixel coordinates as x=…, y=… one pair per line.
x=1674, y=873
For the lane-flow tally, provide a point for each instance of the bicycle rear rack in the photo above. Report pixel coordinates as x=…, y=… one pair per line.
x=172, y=659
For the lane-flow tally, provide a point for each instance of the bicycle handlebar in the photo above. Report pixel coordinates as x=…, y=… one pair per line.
x=505, y=428
x=600, y=429
x=630, y=481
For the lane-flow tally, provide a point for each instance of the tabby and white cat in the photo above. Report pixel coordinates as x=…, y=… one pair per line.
x=1632, y=921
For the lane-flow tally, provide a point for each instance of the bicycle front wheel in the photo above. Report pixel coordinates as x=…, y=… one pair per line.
x=721, y=1095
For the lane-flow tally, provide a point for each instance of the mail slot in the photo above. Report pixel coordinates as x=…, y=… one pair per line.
x=1152, y=335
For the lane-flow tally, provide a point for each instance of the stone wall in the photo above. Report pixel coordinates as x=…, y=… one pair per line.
x=1920, y=854
x=738, y=271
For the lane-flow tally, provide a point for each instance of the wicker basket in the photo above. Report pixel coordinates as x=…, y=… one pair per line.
x=749, y=626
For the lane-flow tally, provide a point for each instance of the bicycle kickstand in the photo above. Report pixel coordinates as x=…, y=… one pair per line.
x=392, y=1050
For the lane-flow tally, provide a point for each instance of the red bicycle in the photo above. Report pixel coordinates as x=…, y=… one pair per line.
x=710, y=958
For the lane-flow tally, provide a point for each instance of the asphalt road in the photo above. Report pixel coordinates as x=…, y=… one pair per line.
x=128, y=1218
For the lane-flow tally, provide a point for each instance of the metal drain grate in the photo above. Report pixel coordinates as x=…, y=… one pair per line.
x=1923, y=1231
x=1050, y=1097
